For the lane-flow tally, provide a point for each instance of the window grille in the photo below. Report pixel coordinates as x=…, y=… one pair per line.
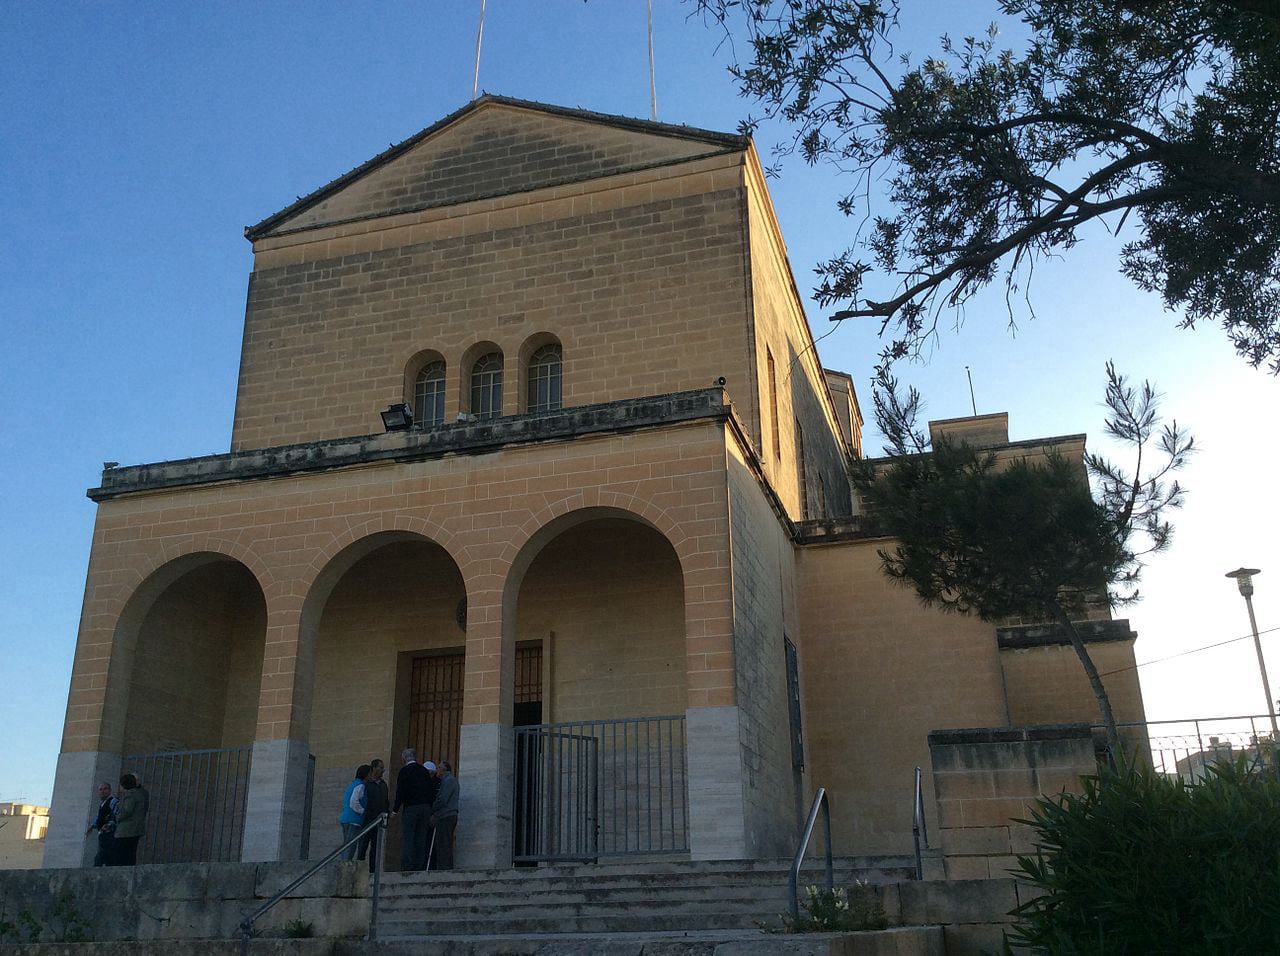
x=545, y=379
x=428, y=396
x=793, y=703
x=486, y=386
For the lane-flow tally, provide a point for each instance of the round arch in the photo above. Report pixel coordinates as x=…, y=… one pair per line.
x=380, y=617
x=130, y=601
x=187, y=656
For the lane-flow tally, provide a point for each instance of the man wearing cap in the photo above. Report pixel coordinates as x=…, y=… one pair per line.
x=416, y=788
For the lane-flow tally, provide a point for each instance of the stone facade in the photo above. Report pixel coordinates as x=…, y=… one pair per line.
x=659, y=538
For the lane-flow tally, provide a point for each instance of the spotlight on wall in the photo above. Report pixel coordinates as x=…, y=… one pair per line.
x=397, y=417
x=720, y=381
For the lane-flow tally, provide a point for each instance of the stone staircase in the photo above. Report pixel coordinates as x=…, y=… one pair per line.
x=605, y=898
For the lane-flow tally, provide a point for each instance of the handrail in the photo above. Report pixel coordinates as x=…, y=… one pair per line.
x=820, y=800
x=919, y=826
x=246, y=924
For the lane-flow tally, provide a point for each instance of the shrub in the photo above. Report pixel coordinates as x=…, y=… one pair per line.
x=299, y=929
x=831, y=911
x=1144, y=863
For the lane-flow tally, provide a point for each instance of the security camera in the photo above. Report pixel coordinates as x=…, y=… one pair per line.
x=720, y=381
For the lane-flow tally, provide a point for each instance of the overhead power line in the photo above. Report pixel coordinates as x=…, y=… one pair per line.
x=1194, y=650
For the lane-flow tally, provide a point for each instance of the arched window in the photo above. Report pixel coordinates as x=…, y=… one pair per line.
x=428, y=396
x=486, y=386
x=544, y=379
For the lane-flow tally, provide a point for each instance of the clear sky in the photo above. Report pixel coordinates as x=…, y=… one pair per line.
x=136, y=142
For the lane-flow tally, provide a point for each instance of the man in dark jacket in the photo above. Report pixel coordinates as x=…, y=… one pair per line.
x=376, y=802
x=105, y=824
x=416, y=788
x=444, y=815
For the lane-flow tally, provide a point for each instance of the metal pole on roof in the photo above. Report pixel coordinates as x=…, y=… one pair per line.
x=653, y=86
x=475, y=82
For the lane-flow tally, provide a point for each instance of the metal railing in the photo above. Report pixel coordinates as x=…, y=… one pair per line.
x=196, y=803
x=823, y=802
x=1188, y=748
x=377, y=848
x=919, y=826
x=587, y=789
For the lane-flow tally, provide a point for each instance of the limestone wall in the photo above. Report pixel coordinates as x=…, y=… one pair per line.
x=882, y=671
x=795, y=408
x=641, y=282
x=186, y=901
x=764, y=614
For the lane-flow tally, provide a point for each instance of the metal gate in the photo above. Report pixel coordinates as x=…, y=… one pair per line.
x=195, y=812
x=601, y=788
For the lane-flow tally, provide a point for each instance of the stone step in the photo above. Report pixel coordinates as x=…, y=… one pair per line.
x=657, y=909
x=446, y=889
x=604, y=870
x=907, y=941
x=656, y=896
x=501, y=925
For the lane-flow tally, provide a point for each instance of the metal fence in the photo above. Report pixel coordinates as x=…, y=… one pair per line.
x=197, y=804
x=1187, y=748
x=597, y=788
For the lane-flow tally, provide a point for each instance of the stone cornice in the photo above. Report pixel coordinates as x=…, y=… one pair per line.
x=461, y=438
x=1023, y=636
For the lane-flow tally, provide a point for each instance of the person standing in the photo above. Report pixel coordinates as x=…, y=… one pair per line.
x=105, y=823
x=444, y=815
x=377, y=801
x=416, y=788
x=352, y=815
x=131, y=821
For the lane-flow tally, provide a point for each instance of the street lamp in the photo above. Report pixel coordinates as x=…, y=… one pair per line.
x=1244, y=581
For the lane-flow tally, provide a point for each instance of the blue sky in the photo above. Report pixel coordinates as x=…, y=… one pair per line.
x=136, y=142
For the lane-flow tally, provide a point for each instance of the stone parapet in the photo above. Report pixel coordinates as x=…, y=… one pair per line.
x=986, y=781
x=185, y=901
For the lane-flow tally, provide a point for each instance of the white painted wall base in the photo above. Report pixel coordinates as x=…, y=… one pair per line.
x=717, y=817
x=484, y=808
x=277, y=797
x=75, y=803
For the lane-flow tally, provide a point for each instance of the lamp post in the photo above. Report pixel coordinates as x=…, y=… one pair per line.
x=1244, y=581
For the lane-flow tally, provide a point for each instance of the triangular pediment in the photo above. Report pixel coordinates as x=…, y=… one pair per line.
x=494, y=147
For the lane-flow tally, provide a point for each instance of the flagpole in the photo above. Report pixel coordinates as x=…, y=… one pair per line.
x=653, y=86
x=475, y=82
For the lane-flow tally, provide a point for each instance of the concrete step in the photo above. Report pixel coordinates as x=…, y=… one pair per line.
x=908, y=941
x=611, y=898
x=448, y=892
x=654, y=896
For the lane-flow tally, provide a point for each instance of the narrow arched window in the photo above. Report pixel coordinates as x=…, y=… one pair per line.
x=428, y=396
x=544, y=379
x=486, y=386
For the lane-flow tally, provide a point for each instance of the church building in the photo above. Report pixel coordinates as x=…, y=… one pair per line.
x=534, y=468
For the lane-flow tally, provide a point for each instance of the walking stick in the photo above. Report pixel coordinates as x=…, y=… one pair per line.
x=431, y=849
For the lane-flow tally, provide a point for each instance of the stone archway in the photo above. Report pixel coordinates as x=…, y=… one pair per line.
x=384, y=626
x=600, y=766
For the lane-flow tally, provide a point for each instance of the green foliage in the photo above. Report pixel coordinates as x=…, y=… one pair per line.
x=994, y=157
x=1024, y=537
x=1140, y=863
x=66, y=924
x=299, y=929
x=996, y=541
x=833, y=911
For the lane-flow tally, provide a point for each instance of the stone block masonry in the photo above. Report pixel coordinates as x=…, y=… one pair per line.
x=987, y=780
